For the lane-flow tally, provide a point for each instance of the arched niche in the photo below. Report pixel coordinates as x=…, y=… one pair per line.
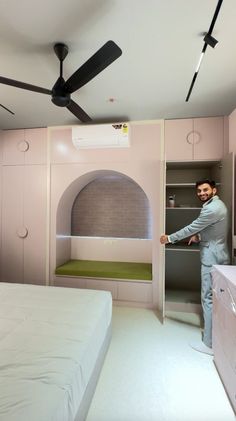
x=63, y=213
x=112, y=205
x=72, y=169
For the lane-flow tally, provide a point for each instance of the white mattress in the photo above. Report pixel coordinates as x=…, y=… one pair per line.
x=49, y=341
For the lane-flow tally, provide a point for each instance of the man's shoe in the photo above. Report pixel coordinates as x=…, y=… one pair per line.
x=201, y=347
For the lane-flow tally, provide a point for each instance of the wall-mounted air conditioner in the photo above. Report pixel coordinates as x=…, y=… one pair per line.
x=101, y=136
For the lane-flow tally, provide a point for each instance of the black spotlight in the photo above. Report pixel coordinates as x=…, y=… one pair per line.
x=210, y=40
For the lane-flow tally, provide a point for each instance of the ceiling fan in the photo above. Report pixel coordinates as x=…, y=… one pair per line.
x=62, y=90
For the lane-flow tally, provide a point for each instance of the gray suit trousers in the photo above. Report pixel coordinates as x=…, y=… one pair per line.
x=206, y=300
x=212, y=227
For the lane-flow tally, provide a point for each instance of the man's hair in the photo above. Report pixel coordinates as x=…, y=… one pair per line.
x=206, y=181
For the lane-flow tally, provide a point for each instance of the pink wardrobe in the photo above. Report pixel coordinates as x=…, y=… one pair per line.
x=43, y=170
x=42, y=173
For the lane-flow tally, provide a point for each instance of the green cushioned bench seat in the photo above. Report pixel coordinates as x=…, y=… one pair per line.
x=98, y=269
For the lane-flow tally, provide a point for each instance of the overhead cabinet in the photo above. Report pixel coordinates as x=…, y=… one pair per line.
x=26, y=146
x=194, y=139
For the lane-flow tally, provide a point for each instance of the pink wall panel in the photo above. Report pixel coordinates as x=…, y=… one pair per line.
x=143, y=162
x=144, y=145
x=232, y=131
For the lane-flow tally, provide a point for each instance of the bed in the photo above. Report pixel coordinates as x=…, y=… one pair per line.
x=52, y=345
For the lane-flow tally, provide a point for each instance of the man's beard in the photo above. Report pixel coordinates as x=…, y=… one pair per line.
x=205, y=199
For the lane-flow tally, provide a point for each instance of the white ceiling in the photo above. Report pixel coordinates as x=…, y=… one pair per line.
x=161, y=42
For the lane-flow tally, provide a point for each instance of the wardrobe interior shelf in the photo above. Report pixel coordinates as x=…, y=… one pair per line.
x=180, y=185
x=183, y=207
x=182, y=247
x=202, y=164
x=182, y=261
x=186, y=296
x=177, y=185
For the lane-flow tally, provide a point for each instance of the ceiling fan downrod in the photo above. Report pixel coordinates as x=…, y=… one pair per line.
x=60, y=97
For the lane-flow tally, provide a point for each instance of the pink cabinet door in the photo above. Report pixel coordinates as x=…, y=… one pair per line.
x=12, y=141
x=37, y=141
x=24, y=223
x=232, y=131
x=224, y=327
x=194, y=139
x=1, y=143
x=35, y=217
x=0, y=198
x=12, y=222
x=27, y=146
x=209, y=138
x=179, y=139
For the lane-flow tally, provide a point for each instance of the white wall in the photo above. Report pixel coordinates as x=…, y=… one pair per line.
x=111, y=249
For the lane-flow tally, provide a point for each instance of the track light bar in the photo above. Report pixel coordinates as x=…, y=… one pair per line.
x=199, y=63
x=7, y=109
x=208, y=40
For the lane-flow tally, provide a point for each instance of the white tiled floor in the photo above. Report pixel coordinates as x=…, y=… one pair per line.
x=152, y=374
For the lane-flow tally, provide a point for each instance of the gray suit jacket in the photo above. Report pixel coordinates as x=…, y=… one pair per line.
x=212, y=227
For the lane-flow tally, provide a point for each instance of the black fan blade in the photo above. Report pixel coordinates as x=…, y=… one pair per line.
x=98, y=62
x=7, y=109
x=23, y=85
x=78, y=112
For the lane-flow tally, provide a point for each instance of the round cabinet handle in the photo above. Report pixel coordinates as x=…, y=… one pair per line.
x=23, y=146
x=197, y=137
x=22, y=232
x=190, y=138
x=193, y=137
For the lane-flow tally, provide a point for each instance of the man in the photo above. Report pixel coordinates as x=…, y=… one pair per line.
x=210, y=230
